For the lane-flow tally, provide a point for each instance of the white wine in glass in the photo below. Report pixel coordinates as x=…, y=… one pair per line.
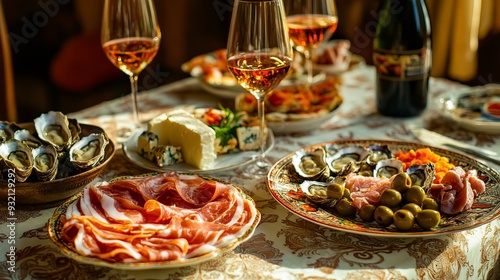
x=311, y=22
x=130, y=37
x=259, y=56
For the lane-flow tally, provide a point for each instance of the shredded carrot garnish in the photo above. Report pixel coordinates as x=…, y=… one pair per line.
x=425, y=156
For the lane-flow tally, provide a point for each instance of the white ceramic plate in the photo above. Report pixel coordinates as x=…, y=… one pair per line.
x=465, y=108
x=333, y=70
x=222, y=162
x=300, y=126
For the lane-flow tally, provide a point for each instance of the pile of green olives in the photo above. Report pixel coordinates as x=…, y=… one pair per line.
x=403, y=205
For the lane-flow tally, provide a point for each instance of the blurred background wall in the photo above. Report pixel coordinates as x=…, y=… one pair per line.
x=58, y=63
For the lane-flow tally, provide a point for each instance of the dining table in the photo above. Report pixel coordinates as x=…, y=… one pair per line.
x=283, y=245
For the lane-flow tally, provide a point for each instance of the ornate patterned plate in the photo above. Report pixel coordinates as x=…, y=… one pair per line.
x=485, y=209
x=465, y=107
x=55, y=227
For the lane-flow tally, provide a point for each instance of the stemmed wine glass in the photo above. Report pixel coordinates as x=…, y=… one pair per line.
x=130, y=37
x=311, y=22
x=259, y=56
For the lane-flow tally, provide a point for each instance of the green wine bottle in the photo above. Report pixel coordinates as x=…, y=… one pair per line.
x=402, y=57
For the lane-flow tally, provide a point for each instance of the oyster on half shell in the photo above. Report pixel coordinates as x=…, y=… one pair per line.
x=46, y=162
x=317, y=192
x=88, y=151
x=27, y=138
x=311, y=165
x=53, y=128
x=347, y=160
x=7, y=130
x=387, y=168
x=16, y=155
x=422, y=175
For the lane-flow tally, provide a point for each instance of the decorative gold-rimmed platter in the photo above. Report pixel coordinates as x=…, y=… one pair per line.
x=486, y=207
x=55, y=227
x=47, y=194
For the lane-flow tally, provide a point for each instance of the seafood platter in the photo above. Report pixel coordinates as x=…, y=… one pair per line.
x=386, y=188
x=50, y=159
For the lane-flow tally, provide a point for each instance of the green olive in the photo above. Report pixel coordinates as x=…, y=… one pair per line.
x=335, y=190
x=404, y=219
x=430, y=203
x=366, y=213
x=415, y=195
x=428, y=218
x=345, y=208
x=412, y=207
x=383, y=215
x=347, y=193
x=390, y=197
x=401, y=182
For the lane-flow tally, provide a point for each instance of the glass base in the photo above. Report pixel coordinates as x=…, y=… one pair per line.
x=258, y=168
x=124, y=132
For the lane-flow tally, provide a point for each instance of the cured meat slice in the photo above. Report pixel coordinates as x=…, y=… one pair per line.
x=164, y=217
x=366, y=190
x=457, y=190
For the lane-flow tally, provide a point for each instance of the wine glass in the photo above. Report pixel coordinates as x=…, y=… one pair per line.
x=130, y=37
x=311, y=22
x=259, y=56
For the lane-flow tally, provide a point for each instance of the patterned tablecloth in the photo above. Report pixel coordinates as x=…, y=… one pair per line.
x=284, y=246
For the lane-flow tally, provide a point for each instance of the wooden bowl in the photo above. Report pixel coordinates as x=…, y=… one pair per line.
x=42, y=195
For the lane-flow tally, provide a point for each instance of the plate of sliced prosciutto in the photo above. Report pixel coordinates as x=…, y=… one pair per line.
x=160, y=220
x=386, y=188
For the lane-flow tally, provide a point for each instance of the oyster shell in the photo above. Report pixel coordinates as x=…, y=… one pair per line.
x=378, y=153
x=422, y=175
x=388, y=168
x=16, y=155
x=311, y=165
x=88, y=151
x=75, y=129
x=347, y=160
x=317, y=192
x=45, y=164
x=7, y=130
x=53, y=128
x=27, y=138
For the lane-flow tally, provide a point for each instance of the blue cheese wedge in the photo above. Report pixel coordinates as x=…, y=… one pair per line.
x=146, y=144
x=167, y=155
x=248, y=138
x=196, y=139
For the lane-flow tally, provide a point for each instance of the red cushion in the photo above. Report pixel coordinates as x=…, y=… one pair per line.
x=82, y=65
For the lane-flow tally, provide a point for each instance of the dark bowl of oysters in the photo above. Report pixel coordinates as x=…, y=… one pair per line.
x=47, y=161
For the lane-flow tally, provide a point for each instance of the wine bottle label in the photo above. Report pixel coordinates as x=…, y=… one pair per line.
x=402, y=65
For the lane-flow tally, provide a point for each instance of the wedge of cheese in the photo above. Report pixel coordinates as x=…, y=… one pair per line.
x=196, y=139
x=156, y=124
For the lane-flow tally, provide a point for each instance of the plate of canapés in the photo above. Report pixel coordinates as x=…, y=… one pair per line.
x=50, y=159
x=476, y=109
x=296, y=108
x=153, y=221
x=198, y=140
x=386, y=188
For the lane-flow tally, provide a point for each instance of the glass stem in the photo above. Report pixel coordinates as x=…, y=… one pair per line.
x=133, y=94
x=309, y=66
x=261, y=160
